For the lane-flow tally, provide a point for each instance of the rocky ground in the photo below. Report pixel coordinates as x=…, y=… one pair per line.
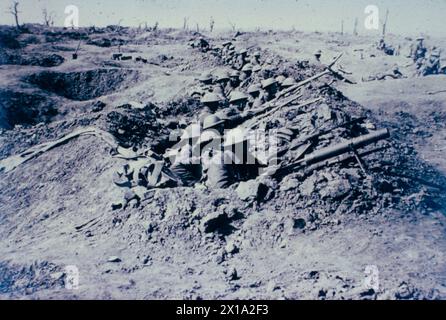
x=309, y=235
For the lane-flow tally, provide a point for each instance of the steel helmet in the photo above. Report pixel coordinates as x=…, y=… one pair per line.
x=211, y=121
x=234, y=74
x=243, y=51
x=288, y=82
x=237, y=96
x=222, y=75
x=280, y=79
x=254, y=88
x=435, y=53
x=205, y=77
x=318, y=52
x=226, y=43
x=234, y=137
x=268, y=82
x=211, y=97
x=256, y=54
x=247, y=67
x=257, y=68
x=191, y=132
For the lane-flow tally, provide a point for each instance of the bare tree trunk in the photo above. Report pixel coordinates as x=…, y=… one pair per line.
x=385, y=23
x=15, y=12
x=233, y=26
x=355, y=29
x=211, y=24
x=48, y=18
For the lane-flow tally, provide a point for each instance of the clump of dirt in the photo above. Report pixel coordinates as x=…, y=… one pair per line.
x=24, y=108
x=84, y=85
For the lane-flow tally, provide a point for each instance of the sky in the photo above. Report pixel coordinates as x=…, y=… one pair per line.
x=407, y=17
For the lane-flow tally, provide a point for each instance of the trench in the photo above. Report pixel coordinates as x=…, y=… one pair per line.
x=84, y=85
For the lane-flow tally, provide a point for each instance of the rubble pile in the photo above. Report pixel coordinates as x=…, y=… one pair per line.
x=135, y=125
x=327, y=195
x=184, y=107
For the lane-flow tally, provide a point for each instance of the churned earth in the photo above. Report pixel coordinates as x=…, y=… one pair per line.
x=311, y=235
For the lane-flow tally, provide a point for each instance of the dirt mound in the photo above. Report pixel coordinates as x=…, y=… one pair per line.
x=106, y=42
x=85, y=85
x=8, y=39
x=394, y=177
x=25, y=59
x=24, y=108
x=60, y=35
